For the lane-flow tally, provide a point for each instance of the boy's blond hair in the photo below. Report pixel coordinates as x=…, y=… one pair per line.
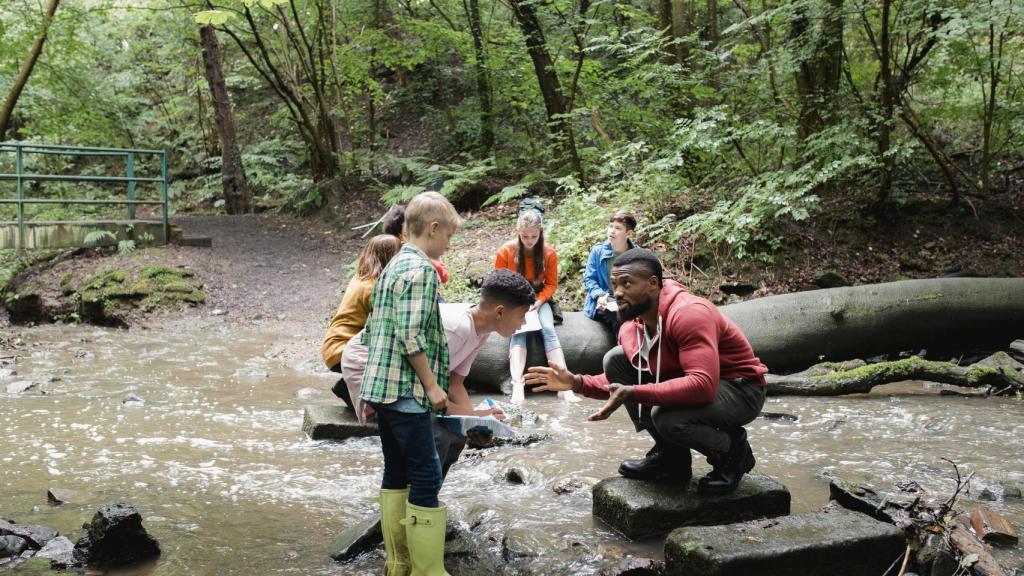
x=427, y=207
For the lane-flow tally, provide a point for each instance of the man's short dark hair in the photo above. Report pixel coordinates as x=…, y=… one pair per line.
x=507, y=287
x=624, y=218
x=643, y=258
x=394, y=219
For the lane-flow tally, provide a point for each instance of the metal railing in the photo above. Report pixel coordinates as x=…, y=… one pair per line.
x=21, y=150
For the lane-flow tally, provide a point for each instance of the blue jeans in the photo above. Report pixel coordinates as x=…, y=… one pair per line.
x=410, y=456
x=547, y=330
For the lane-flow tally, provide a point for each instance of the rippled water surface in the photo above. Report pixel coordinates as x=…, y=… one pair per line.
x=216, y=461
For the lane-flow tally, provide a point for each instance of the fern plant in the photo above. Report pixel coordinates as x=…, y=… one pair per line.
x=97, y=237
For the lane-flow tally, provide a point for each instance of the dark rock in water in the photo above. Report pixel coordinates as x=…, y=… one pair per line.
x=58, y=496
x=516, y=475
x=641, y=509
x=567, y=485
x=520, y=543
x=323, y=422
x=520, y=440
x=935, y=557
x=11, y=545
x=834, y=543
x=458, y=541
x=60, y=551
x=636, y=567
x=356, y=539
x=1010, y=491
x=866, y=500
x=37, y=536
x=116, y=537
x=988, y=495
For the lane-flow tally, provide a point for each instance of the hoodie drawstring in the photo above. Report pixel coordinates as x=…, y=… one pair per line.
x=657, y=340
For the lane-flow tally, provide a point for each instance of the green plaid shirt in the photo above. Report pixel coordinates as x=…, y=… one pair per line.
x=405, y=320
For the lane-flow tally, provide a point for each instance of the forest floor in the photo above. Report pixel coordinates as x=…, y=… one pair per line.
x=283, y=269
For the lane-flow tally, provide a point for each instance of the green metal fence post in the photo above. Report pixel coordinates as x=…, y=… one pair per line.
x=131, y=185
x=21, y=197
x=163, y=196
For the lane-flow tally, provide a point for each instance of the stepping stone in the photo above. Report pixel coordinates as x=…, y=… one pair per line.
x=356, y=539
x=324, y=422
x=835, y=543
x=641, y=509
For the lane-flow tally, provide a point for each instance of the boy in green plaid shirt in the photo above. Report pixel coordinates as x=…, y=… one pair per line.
x=406, y=380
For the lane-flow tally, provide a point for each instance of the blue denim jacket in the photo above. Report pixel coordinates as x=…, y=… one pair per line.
x=595, y=281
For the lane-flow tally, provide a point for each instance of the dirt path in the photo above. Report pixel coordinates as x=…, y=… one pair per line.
x=269, y=267
x=272, y=274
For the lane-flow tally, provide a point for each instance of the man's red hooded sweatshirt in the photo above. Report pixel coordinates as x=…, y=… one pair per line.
x=698, y=347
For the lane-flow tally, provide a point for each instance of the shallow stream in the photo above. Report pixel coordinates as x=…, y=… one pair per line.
x=215, y=460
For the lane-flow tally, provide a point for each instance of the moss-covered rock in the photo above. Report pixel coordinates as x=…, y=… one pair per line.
x=107, y=297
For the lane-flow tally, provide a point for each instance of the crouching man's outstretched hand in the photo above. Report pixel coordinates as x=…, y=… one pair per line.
x=617, y=396
x=556, y=378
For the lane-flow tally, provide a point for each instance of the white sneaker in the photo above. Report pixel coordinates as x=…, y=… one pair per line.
x=518, y=392
x=568, y=396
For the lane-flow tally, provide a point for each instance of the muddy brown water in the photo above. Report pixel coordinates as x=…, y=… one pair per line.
x=216, y=462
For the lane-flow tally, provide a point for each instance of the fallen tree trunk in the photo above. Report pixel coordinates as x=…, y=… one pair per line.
x=998, y=372
x=793, y=331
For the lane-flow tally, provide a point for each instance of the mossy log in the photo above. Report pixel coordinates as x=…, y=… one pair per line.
x=999, y=372
x=793, y=331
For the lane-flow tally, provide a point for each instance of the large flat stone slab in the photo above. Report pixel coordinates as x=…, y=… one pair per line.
x=835, y=543
x=323, y=422
x=641, y=509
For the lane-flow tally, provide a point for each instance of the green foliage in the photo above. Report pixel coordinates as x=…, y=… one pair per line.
x=517, y=190
x=452, y=181
x=97, y=237
x=701, y=134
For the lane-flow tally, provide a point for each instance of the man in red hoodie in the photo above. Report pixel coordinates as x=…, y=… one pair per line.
x=685, y=373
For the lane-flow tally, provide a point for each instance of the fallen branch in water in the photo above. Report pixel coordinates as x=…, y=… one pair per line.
x=932, y=530
x=999, y=372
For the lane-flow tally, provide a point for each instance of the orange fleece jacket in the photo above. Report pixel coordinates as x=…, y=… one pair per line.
x=508, y=258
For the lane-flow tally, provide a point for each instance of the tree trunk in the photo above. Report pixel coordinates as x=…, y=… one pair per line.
x=681, y=26
x=793, y=331
x=237, y=198
x=817, y=78
x=886, y=101
x=26, y=71
x=547, y=78
x=483, y=82
x=712, y=28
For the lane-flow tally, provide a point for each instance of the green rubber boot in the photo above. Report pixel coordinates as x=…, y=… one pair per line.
x=392, y=514
x=424, y=532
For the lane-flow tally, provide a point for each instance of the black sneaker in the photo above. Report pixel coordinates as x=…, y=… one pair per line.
x=659, y=466
x=729, y=467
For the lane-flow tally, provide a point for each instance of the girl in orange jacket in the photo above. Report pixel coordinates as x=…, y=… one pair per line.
x=528, y=255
